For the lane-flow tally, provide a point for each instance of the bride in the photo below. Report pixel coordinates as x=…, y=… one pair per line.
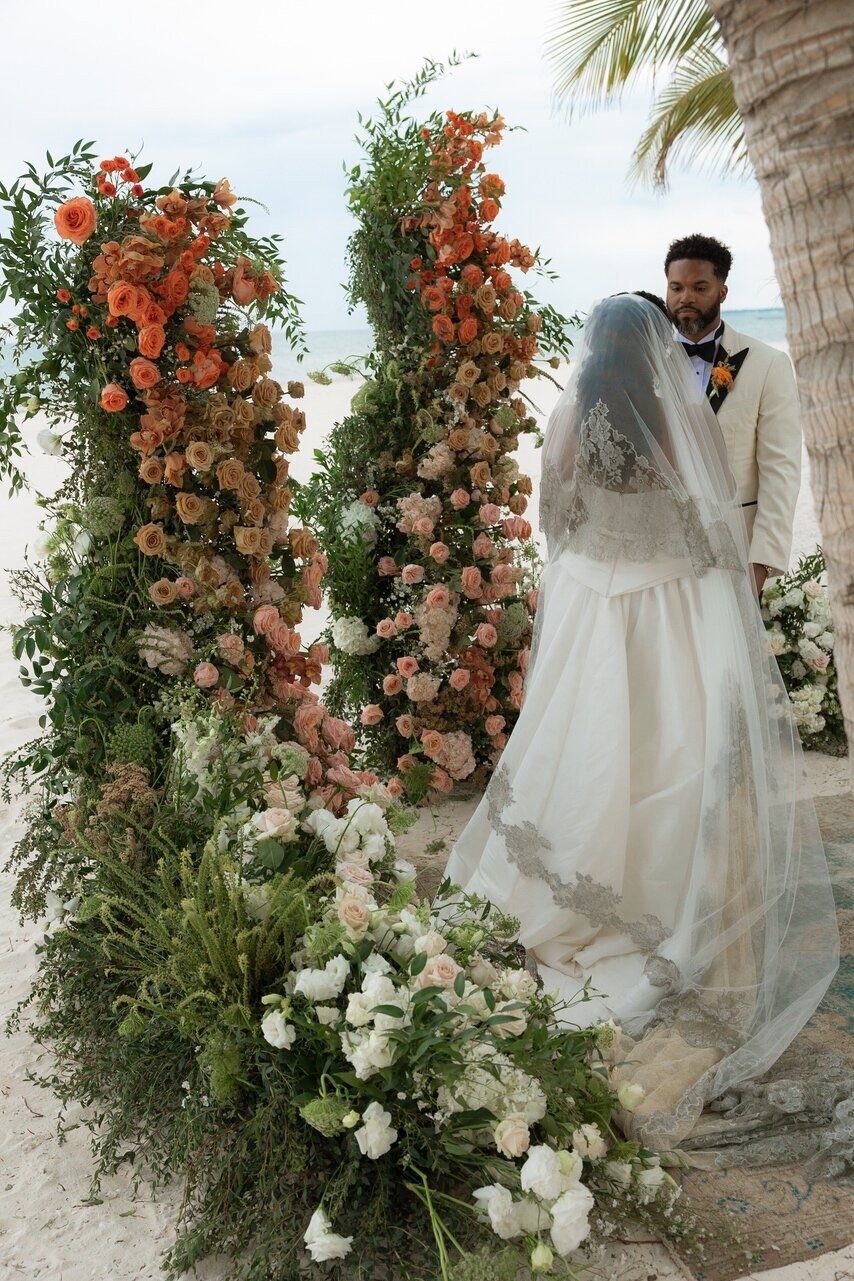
x=644, y=822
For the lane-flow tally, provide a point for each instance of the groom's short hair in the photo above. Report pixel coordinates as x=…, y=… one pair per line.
x=705, y=248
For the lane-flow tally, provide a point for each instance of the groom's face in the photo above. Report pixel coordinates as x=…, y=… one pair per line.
x=694, y=296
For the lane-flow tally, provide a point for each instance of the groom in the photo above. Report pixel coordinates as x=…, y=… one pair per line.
x=751, y=388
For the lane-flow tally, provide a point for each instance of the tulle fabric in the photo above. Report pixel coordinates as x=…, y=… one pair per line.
x=647, y=821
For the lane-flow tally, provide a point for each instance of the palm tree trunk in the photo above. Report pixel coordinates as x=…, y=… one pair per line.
x=792, y=66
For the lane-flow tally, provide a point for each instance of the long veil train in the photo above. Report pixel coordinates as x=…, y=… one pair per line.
x=646, y=821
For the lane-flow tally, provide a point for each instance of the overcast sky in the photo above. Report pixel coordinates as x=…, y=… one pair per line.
x=267, y=94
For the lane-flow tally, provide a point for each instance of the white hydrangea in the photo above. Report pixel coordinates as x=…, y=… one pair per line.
x=359, y=521
x=351, y=636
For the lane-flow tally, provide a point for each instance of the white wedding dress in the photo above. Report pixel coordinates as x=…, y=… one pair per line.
x=644, y=822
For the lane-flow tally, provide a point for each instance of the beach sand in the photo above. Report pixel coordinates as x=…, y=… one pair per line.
x=48, y=1228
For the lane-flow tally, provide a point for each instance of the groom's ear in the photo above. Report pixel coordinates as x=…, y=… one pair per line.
x=724, y=292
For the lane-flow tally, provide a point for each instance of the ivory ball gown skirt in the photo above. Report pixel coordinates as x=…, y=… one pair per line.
x=643, y=826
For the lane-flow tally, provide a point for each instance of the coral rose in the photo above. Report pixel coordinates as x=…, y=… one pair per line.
x=392, y=684
x=494, y=725
x=122, y=299
x=185, y=587
x=206, y=675
x=151, y=340
x=489, y=514
x=402, y=620
x=467, y=333
x=395, y=786
x=486, y=635
x=407, y=666
x=265, y=619
x=231, y=647
x=460, y=499
x=372, y=714
x=370, y=498
x=143, y=373
x=151, y=540
x=443, y=328
x=440, y=552
x=459, y=678
x=431, y=741
x=405, y=725
x=517, y=527
x=76, y=219
x=412, y=574
x=386, y=628
x=387, y=566
x=472, y=583
x=439, y=597
x=113, y=398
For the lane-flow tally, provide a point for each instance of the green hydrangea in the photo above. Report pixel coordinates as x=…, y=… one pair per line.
x=326, y=1115
x=103, y=517
x=132, y=742
x=513, y=623
x=203, y=301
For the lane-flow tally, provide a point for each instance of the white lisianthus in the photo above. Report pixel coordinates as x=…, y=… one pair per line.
x=541, y=1173
x=367, y=1054
x=618, y=1172
x=541, y=1258
x=403, y=870
x=630, y=1095
x=587, y=1141
x=327, y=1014
x=325, y=984
x=825, y=640
x=570, y=1223
x=49, y=442
x=322, y=1243
x=317, y=821
x=376, y=963
x=811, y=630
x=498, y=1204
x=376, y=1135
x=277, y=1031
x=512, y=1136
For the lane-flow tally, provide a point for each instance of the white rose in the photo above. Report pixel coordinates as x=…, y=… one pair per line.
x=404, y=870
x=325, y=984
x=257, y=900
x=516, y=1021
x=776, y=642
x=376, y=1135
x=276, y=1030
x=440, y=971
x=432, y=943
x=651, y=1178
x=588, y=1141
x=826, y=640
x=512, y=1136
x=518, y=985
x=327, y=1014
x=541, y=1173
x=570, y=1219
x=275, y=823
x=322, y=1242
x=630, y=1095
x=482, y=972
x=498, y=1203
x=812, y=589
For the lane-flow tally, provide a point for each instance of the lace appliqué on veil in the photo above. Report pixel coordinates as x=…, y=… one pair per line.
x=618, y=505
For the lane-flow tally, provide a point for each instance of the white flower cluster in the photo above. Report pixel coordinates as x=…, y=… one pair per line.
x=801, y=635
x=359, y=521
x=358, y=838
x=806, y=705
x=351, y=636
x=211, y=755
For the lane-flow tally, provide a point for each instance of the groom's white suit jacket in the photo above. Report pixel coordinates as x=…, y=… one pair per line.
x=761, y=428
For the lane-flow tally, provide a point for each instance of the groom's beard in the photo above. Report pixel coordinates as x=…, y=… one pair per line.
x=693, y=321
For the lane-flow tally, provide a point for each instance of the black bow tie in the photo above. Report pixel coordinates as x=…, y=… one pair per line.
x=705, y=350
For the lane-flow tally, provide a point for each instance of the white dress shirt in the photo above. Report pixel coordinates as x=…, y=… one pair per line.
x=702, y=368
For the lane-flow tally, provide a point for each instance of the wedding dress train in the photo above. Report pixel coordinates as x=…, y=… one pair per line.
x=646, y=821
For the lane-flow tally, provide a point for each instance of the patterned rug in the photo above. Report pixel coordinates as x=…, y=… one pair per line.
x=767, y=1217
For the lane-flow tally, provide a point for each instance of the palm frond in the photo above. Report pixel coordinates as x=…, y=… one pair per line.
x=696, y=111
x=599, y=47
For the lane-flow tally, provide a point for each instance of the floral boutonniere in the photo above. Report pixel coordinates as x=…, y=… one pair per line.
x=721, y=377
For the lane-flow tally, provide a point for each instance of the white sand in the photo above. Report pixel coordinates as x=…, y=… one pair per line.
x=46, y=1229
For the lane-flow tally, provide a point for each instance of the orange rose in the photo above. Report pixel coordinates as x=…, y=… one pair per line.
x=199, y=455
x=63, y=295
x=443, y=328
x=162, y=592
x=151, y=471
x=151, y=540
x=113, y=398
x=144, y=373
x=151, y=340
x=151, y=313
x=247, y=540
x=76, y=219
x=229, y=473
x=468, y=330
x=122, y=299
x=190, y=508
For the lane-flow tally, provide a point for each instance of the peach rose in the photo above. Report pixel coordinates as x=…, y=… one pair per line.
x=230, y=646
x=249, y=487
x=206, y=675
x=354, y=914
x=76, y=219
x=151, y=540
x=402, y=620
x=460, y=499
x=143, y=373
x=440, y=971
x=266, y=392
x=472, y=583
x=489, y=514
x=431, y=741
x=480, y=474
x=260, y=340
x=407, y=666
x=296, y=389
x=424, y=526
x=199, y=455
x=151, y=340
x=162, y=592
x=113, y=398
x=283, y=639
x=440, y=552
x=190, y=508
x=392, y=684
x=438, y=598
x=486, y=635
x=494, y=725
x=265, y=619
x=229, y=473
x=395, y=786
x=412, y=574
x=372, y=714
x=405, y=725
x=370, y=498
x=387, y=566
x=459, y=678
x=441, y=780
x=151, y=471
x=185, y=587
x=247, y=540
x=386, y=628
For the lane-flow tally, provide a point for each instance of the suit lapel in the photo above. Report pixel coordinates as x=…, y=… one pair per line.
x=717, y=396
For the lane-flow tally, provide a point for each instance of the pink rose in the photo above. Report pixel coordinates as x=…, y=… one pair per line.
x=494, y=725
x=516, y=699
x=820, y=663
x=387, y=566
x=185, y=587
x=353, y=873
x=460, y=499
x=424, y=526
x=405, y=725
x=489, y=514
x=283, y=639
x=392, y=684
x=441, y=780
x=440, y=552
x=206, y=675
x=406, y=762
x=459, y=678
x=533, y=599
x=338, y=734
x=472, y=582
x=515, y=680
x=440, y=971
x=517, y=527
x=231, y=647
x=407, y=666
x=439, y=597
x=372, y=714
x=395, y=786
x=522, y=659
x=483, y=547
x=403, y=620
x=386, y=628
x=265, y=619
x=412, y=574
x=486, y=635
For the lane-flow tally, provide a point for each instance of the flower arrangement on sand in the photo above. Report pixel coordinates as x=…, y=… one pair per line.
x=432, y=586
x=238, y=980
